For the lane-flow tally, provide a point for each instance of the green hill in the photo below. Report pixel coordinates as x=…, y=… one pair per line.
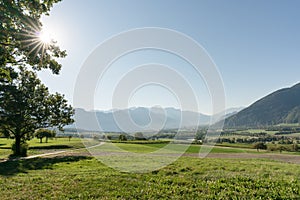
x=281, y=106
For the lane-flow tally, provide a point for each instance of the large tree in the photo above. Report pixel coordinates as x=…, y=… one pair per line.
x=25, y=103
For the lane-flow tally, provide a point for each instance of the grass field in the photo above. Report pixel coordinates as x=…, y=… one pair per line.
x=187, y=178
x=35, y=147
x=76, y=175
x=191, y=149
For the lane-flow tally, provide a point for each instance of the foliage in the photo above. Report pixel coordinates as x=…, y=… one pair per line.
x=20, y=28
x=122, y=137
x=41, y=133
x=201, y=133
x=139, y=136
x=27, y=105
x=260, y=145
x=23, y=149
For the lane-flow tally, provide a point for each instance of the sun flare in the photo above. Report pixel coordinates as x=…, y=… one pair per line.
x=45, y=37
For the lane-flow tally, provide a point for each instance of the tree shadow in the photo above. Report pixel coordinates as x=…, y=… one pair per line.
x=61, y=146
x=13, y=167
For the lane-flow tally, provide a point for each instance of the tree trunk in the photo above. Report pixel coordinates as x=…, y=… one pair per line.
x=17, y=145
x=46, y=139
x=41, y=140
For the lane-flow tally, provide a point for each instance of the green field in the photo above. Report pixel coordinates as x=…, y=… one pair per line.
x=35, y=147
x=76, y=175
x=187, y=178
x=139, y=148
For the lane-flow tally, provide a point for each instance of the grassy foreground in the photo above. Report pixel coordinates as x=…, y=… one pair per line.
x=79, y=177
x=75, y=176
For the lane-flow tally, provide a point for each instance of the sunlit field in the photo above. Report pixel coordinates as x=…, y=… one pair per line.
x=77, y=175
x=83, y=177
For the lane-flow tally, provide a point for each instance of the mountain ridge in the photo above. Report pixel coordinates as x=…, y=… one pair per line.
x=144, y=119
x=280, y=106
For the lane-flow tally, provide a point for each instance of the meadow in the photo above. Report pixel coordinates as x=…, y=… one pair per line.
x=35, y=147
x=81, y=177
x=77, y=175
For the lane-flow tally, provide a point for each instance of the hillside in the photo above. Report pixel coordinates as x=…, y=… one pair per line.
x=281, y=106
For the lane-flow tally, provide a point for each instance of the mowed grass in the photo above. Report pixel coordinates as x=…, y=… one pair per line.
x=81, y=177
x=147, y=148
x=187, y=178
x=35, y=147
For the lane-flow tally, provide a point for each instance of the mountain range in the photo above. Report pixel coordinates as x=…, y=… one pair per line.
x=140, y=119
x=281, y=106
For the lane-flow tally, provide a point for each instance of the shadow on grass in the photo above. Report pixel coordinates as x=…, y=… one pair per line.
x=61, y=146
x=5, y=147
x=13, y=167
x=52, y=147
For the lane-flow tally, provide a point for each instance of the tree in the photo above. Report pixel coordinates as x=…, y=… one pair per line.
x=122, y=137
x=200, y=135
x=26, y=104
x=139, y=136
x=41, y=133
x=260, y=145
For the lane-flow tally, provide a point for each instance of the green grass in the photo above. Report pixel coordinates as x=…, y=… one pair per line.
x=187, y=178
x=146, y=148
x=81, y=177
x=64, y=144
x=75, y=142
x=35, y=147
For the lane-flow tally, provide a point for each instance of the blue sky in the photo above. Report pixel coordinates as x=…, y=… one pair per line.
x=255, y=44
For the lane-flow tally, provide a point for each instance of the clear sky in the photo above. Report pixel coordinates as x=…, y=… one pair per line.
x=255, y=44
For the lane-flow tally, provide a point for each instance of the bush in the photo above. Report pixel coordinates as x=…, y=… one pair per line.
x=272, y=148
x=122, y=137
x=260, y=145
x=23, y=149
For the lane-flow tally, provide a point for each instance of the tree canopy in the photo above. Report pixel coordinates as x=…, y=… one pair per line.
x=26, y=104
x=41, y=133
x=20, y=28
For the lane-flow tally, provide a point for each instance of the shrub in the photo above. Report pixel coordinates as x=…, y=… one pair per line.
x=23, y=149
x=260, y=145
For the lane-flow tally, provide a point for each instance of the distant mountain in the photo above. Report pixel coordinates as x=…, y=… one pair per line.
x=281, y=106
x=137, y=119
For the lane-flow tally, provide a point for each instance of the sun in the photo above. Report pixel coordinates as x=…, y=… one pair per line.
x=45, y=37
x=38, y=39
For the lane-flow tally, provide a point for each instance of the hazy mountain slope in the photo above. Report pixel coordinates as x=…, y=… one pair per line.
x=142, y=118
x=281, y=106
